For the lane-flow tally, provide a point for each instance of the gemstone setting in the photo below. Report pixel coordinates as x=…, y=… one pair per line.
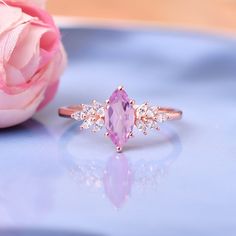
x=119, y=115
x=119, y=118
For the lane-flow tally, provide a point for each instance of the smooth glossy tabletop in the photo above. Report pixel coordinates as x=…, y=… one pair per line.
x=58, y=181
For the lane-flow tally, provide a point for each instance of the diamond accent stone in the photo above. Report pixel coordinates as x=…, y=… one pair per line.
x=87, y=124
x=91, y=115
x=150, y=114
x=141, y=111
x=161, y=117
x=98, y=125
x=101, y=111
x=140, y=125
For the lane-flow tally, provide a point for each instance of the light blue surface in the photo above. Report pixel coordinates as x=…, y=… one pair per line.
x=58, y=181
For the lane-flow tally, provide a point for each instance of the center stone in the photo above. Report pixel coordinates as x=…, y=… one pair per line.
x=119, y=118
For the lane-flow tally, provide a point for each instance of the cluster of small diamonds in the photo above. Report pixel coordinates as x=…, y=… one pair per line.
x=91, y=115
x=148, y=117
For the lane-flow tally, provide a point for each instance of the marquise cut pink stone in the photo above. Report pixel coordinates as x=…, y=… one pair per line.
x=119, y=118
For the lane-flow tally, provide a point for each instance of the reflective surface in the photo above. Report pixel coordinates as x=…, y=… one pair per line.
x=57, y=180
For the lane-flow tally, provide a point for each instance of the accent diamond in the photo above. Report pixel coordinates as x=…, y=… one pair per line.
x=161, y=117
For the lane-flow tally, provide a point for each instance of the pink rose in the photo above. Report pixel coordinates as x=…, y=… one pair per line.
x=32, y=59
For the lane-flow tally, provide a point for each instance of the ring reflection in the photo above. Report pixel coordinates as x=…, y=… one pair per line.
x=117, y=175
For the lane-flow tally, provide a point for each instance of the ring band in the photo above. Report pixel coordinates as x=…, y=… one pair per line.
x=119, y=115
x=172, y=114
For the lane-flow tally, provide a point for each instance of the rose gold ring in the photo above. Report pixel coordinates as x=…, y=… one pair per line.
x=119, y=115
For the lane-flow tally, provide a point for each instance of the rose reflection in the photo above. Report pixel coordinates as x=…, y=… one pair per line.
x=118, y=175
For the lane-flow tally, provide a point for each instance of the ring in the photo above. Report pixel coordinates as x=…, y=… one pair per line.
x=119, y=115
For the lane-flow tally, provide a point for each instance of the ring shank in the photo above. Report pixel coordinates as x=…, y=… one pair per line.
x=69, y=110
x=171, y=113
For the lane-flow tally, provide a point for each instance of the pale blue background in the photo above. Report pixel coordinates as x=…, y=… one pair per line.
x=184, y=177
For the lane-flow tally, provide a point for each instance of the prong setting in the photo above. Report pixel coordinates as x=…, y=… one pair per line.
x=120, y=88
x=132, y=102
x=118, y=149
x=130, y=135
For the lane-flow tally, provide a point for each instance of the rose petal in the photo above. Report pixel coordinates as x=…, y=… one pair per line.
x=45, y=57
x=39, y=3
x=22, y=99
x=56, y=68
x=8, y=42
x=10, y=117
x=33, y=11
x=14, y=76
x=49, y=94
x=11, y=15
x=30, y=69
x=27, y=46
x=59, y=62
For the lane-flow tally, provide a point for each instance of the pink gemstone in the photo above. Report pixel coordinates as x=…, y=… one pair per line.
x=119, y=118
